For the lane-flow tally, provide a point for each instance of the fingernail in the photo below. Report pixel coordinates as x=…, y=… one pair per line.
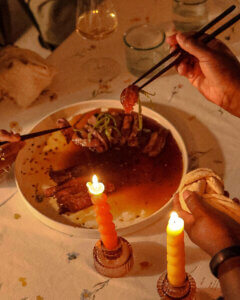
x=186, y=194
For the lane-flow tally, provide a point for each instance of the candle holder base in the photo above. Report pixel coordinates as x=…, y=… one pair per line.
x=168, y=292
x=113, y=263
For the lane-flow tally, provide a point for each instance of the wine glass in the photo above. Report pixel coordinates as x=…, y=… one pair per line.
x=97, y=19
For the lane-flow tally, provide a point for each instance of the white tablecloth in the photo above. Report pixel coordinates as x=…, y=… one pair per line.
x=40, y=263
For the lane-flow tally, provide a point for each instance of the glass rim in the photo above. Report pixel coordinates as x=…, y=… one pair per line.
x=187, y=3
x=141, y=49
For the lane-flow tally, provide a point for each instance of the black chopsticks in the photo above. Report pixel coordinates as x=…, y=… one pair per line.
x=36, y=134
x=183, y=53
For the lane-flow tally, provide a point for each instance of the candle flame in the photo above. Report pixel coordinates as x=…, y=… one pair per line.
x=95, y=187
x=173, y=217
x=175, y=223
x=95, y=181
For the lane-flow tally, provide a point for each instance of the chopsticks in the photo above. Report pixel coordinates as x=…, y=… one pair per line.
x=198, y=34
x=36, y=134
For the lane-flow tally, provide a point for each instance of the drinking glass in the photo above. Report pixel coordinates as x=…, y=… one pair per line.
x=144, y=48
x=96, y=20
x=189, y=15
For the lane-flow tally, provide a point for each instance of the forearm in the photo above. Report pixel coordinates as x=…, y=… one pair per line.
x=229, y=277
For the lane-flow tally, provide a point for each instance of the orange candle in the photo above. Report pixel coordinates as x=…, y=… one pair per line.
x=175, y=251
x=104, y=217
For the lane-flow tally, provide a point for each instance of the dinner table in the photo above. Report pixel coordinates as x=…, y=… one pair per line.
x=39, y=262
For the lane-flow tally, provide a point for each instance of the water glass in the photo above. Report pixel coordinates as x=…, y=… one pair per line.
x=145, y=47
x=189, y=15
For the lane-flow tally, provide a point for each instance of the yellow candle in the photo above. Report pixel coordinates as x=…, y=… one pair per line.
x=104, y=217
x=175, y=250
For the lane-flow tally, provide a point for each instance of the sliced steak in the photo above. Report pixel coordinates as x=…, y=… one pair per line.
x=73, y=195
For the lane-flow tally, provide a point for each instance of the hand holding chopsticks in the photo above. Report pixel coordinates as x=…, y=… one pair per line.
x=34, y=134
x=182, y=53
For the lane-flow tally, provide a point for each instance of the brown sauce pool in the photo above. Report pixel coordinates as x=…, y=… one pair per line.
x=143, y=184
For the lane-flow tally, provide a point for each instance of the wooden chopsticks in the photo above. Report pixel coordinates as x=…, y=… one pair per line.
x=36, y=134
x=182, y=53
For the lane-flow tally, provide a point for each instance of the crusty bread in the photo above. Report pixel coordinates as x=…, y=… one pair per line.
x=23, y=75
x=210, y=187
x=224, y=204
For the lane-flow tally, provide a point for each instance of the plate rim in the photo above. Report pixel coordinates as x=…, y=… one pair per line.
x=127, y=229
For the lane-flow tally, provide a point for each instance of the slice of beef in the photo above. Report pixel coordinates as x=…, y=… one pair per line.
x=129, y=97
x=91, y=143
x=96, y=134
x=68, y=133
x=156, y=142
x=73, y=203
x=151, y=142
x=126, y=128
x=160, y=143
x=73, y=195
x=60, y=176
x=132, y=139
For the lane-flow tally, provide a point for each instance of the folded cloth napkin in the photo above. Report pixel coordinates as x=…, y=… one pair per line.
x=23, y=75
x=210, y=187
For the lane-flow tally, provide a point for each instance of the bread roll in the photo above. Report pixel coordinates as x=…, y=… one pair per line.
x=23, y=75
x=210, y=187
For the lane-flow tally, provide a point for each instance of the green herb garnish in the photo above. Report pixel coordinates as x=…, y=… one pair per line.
x=140, y=119
x=105, y=123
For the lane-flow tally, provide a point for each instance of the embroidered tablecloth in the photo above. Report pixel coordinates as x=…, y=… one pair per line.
x=40, y=263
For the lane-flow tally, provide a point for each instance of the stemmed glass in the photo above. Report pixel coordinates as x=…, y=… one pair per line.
x=97, y=19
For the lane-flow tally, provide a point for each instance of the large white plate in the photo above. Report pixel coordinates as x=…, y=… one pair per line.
x=67, y=112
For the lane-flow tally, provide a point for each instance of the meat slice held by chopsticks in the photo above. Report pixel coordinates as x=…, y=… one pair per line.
x=129, y=97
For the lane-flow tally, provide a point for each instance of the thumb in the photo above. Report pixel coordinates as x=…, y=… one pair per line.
x=194, y=204
x=194, y=47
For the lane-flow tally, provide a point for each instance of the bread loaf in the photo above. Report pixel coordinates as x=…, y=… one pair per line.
x=210, y=187
x=23, y=75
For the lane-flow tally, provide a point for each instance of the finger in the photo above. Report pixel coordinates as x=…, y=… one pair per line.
x=187, y=217
x=8, y=136
x=171, y=40
x=194, y=47
x=10, y=149
x=187, y=66
x=182, y=69
x=194, y=203
x=184, y=66
x=193, y=69
x=173, y=48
